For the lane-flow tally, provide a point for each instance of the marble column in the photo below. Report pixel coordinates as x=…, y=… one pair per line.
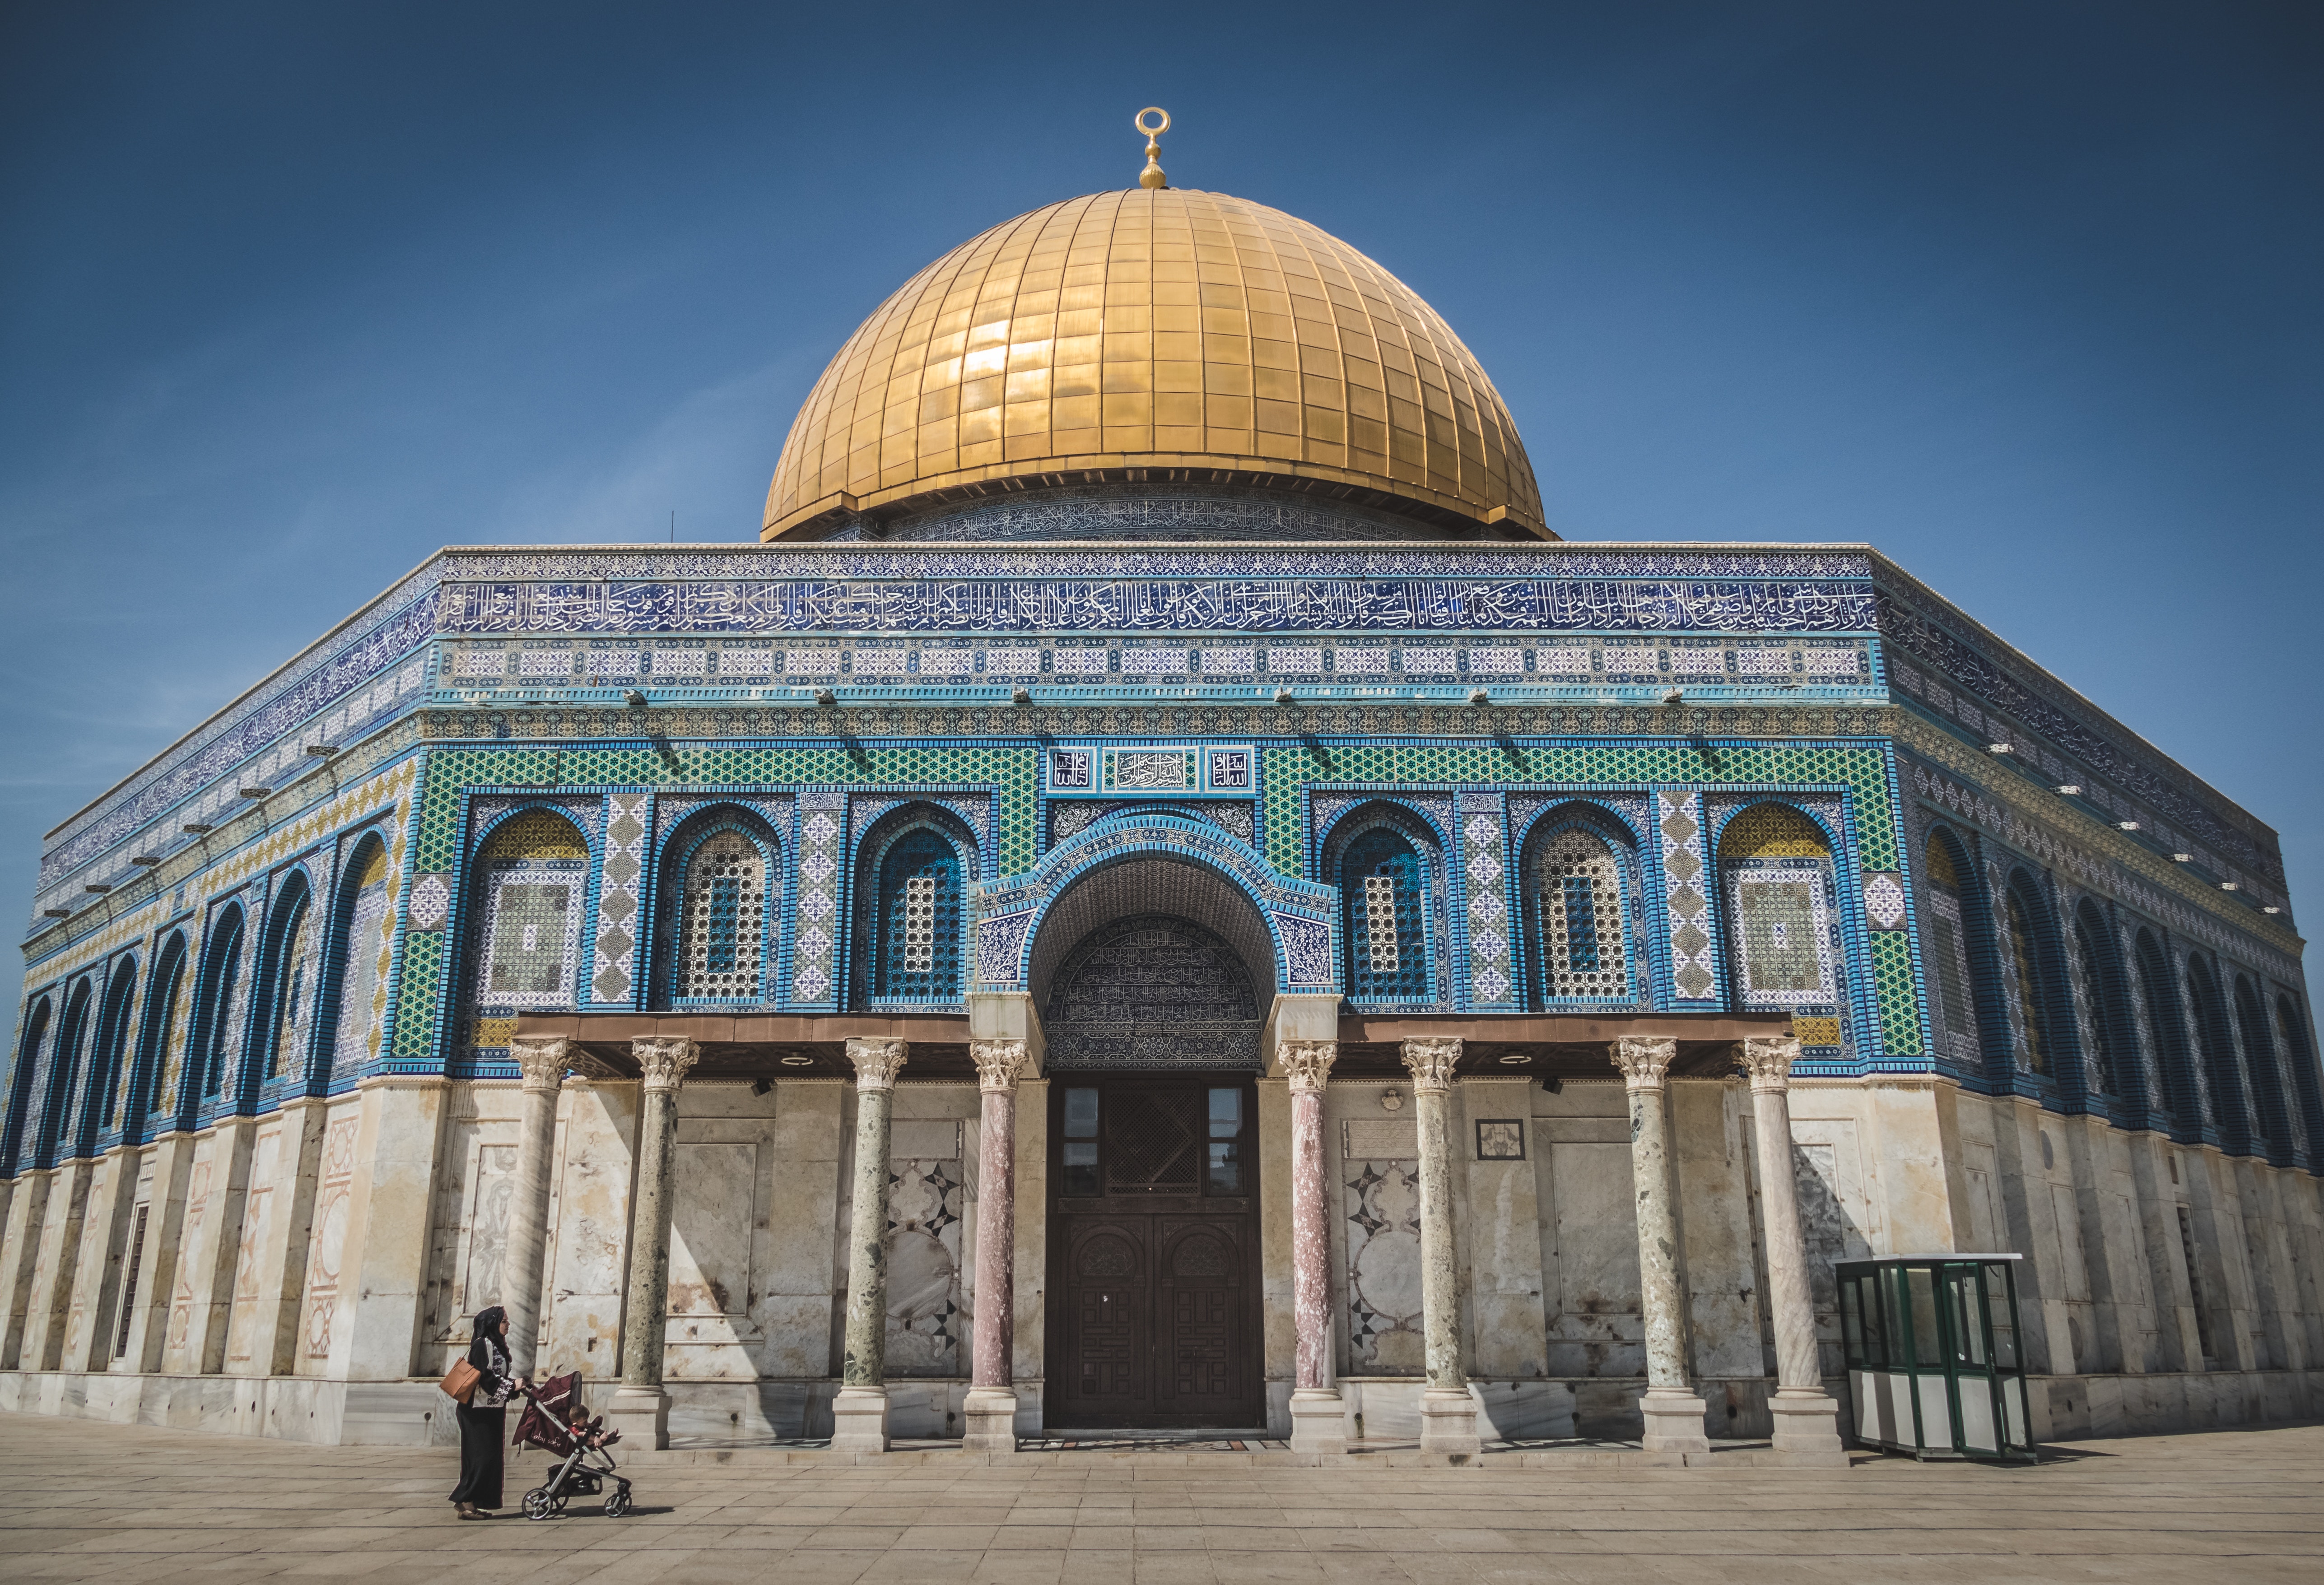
x=640, y=1407
x=543, y=1059
x=990, y=1408
x=859, y=1414
x=1674, y=1414
x=1448, y=1414
x=1318, y=1418
x=1807, y=1420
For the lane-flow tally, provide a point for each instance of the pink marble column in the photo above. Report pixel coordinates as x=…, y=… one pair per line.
x=1318, y=1420
x=990, y=1409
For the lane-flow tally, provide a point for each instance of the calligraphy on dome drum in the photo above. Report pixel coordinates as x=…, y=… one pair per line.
x=1254, y=606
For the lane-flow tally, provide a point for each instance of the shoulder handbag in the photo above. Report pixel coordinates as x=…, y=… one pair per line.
x=459, y=1383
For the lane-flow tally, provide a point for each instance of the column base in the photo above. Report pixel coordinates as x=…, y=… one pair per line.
x=990, y=1414
x=1319, y=1420
x=641, y=1415
x=1807, y=1423
x=1673, y=1418
x=1448, y=1423
x=859, y=1420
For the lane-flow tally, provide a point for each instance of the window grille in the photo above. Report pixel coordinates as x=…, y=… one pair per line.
x=723, y=922
x=918, y=950
x=1380, y=922
x=1578, y=889
x=919, y=924
x=1386, y=906
x=2025, y=979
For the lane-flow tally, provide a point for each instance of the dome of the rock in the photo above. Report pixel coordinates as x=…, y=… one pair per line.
x=1154, y=336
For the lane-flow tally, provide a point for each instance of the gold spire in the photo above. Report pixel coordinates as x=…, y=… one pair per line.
x=1152, y=177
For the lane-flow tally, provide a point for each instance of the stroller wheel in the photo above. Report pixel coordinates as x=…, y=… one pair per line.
x=617, y=1503
x=539, y=1505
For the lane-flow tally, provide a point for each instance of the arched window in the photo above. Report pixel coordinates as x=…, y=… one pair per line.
x=2027, y=966
x=527, y=941
x=1784, y=946
x=2267, y=1076
x=287, y=981
x=155, y=1079
x=218, y=1002
x=24, y=1081
x=914, y=949
x=2291, y=1039
x=1578, y=918
x=1948, y=952
x=2114, y=1043
x=64, y=1072
x=108, y=1074
x=2158, y=994
x=358, y=997
x=2230, y=1115
x=720, y=951
x=1384, y=898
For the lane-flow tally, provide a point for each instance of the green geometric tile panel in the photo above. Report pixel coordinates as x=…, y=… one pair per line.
x=1892, y=987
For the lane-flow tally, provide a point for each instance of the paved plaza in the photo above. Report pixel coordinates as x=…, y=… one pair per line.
x=120, y=1503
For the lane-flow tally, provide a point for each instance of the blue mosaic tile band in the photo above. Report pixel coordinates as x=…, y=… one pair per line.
x=1148, y=604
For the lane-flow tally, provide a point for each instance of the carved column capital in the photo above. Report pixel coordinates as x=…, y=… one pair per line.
x=1645, y=1062
x=664, y=1064
x=1768, y=1059
x=999, y=1064
x=543, y=1059
x=877, y=1062
x=1307, y=1064
x=1430, y=1064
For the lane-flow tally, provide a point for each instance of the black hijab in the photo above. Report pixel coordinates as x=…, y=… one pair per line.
x=488, y=1324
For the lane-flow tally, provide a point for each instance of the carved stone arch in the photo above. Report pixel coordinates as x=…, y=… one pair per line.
x=282, y=1014
x=353, y=981
x=2263, y=1071
x=110, y=1054
x=218, y=990
x=2112, y=1026
x=2230, y=1111
x=1972, y=1012
x=1579, y=886
x=152, y=1083
x=719, y=884
x=65, y=1065
x=2035, y=971
x=23, y=1085
x=1285, y=936
x=2291, y=1030
x=909, y=930
x=2159, y=991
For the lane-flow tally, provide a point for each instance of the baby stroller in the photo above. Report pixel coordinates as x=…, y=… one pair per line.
x=555, y=1421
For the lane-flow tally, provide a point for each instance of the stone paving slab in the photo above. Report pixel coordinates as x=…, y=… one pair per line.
x=93, y=1501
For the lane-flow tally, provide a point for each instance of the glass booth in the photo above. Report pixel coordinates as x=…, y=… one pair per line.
x=1933, y=1364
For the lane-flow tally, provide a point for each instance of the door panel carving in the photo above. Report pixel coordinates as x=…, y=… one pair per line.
x=1153, y=1319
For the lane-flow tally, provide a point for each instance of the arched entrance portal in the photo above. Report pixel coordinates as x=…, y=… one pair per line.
x=1152, y=1020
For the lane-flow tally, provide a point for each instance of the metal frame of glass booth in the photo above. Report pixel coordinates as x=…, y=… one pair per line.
x=1933, y=1364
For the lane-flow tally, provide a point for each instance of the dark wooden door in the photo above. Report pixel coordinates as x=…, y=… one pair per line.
x=1154, y=1254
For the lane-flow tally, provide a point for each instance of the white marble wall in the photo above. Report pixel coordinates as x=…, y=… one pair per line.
x=346, y=1244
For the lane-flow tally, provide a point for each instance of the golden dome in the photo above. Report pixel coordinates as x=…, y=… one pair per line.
x=1155, y=335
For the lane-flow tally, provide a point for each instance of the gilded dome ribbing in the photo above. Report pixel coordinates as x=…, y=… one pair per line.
x=1199, y=335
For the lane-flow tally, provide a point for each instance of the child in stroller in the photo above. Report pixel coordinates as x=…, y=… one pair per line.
x=555, y=1421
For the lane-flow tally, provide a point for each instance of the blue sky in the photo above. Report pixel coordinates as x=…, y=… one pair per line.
x=2024, y=294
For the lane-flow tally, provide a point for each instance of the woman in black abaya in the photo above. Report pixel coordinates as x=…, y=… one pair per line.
x=483, y=1418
